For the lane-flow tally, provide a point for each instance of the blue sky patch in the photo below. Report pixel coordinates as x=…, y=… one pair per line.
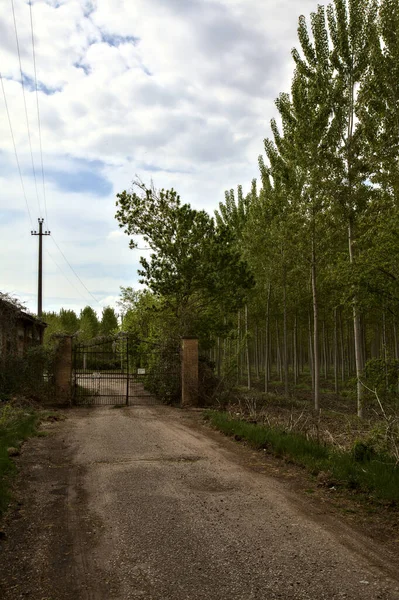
x=10, y=216
x=85, y=178
x=117, y=40
x=30, y=85
x=88, y=9
x=81, y=65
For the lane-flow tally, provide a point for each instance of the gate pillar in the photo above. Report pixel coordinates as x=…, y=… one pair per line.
x=63, y=371
x=189, y=372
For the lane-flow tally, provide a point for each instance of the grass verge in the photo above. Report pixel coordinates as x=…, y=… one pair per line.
x=17, y=424
x=374, y=475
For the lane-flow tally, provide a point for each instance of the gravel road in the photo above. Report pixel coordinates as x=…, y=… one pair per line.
x=143, y=502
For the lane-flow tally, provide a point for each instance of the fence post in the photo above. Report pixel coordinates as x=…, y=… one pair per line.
x=189, y=372
x=127, y=370
x=63, y=371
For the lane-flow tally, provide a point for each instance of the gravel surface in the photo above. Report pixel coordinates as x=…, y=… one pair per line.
x=141, y=502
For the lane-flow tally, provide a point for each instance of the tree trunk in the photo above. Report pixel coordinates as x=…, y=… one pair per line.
x=316, y=374
x=324, y=351
x=396, y=350
x=385, y=350
x=357, y=335
x=311, y=365
x=256, y=352
x=395, y=339
x=301, y=351
x=295, y=351
x=247, y=348
x=238, y=347
x=341, y=343
x=279, y=365
x=267, y=362
x=285, y=342
x=335, y=351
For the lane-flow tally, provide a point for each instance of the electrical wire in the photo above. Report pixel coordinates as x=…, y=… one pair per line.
x=66, y=277
x=38, y=113
x=26, y=109
x=73, y=270
x=15, y=150
x=31, y=152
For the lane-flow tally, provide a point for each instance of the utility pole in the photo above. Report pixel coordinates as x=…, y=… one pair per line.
x=40, y=233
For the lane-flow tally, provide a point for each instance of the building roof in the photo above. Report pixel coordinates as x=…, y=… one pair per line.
x=7, y=307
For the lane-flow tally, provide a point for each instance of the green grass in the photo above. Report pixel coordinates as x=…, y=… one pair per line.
x=16, y=425
x=376, y=475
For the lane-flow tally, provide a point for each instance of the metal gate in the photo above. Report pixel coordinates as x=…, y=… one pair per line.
x=125, y=370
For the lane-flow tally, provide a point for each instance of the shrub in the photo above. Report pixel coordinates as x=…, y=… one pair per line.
x=30, y=375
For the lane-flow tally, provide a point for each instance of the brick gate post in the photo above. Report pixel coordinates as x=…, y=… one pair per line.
x=63, y=371
x=189, y=388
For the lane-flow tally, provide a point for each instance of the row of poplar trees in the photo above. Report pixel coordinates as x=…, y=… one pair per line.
x=297, y=280
x=320, y=230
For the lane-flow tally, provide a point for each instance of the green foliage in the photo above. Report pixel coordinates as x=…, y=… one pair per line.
x=184, y=243
x=163, y=372
x=30, y=374
x=382, y=374
x=89, y=325
x=233, y=215
x=141, y=311
x=313, y=251
x=109, y=321
x=362, y=451
x=16, y=425
x=383, y=440
x=69, y=321
x=64, y=322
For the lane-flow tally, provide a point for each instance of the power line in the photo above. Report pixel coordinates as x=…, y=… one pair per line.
x=41, y=146
x=26, y=110
x=73, y=271
x=66, y=277
x=15, y=150
x=27, y=204
x=38, y=111
x=31, y=150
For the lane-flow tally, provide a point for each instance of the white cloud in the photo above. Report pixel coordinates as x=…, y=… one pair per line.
x=115, y=234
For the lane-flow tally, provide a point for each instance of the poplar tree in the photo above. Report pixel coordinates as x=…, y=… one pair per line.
x=312, y=130
x=89, y=324
x=109, y=321
x=350, y=24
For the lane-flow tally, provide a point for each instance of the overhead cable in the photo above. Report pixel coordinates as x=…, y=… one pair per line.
x=66, y=277
x=38, y=112
x=73, y=271
x=15, y=150
x=26, y=110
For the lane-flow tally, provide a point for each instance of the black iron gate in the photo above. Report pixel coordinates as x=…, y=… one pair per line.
x=125, y=370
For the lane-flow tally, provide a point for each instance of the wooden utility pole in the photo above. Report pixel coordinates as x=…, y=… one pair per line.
x=40, y=233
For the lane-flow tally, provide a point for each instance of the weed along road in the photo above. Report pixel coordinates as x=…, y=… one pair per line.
x=144, y=502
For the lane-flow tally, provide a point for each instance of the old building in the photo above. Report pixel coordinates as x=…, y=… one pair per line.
x=18, y=329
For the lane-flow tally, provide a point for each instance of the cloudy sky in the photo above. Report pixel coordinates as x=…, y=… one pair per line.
x=178, y=91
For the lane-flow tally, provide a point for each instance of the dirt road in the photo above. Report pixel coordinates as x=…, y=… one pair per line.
x=140, y=503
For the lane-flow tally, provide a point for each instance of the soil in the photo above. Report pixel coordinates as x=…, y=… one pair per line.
x=148, y=502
